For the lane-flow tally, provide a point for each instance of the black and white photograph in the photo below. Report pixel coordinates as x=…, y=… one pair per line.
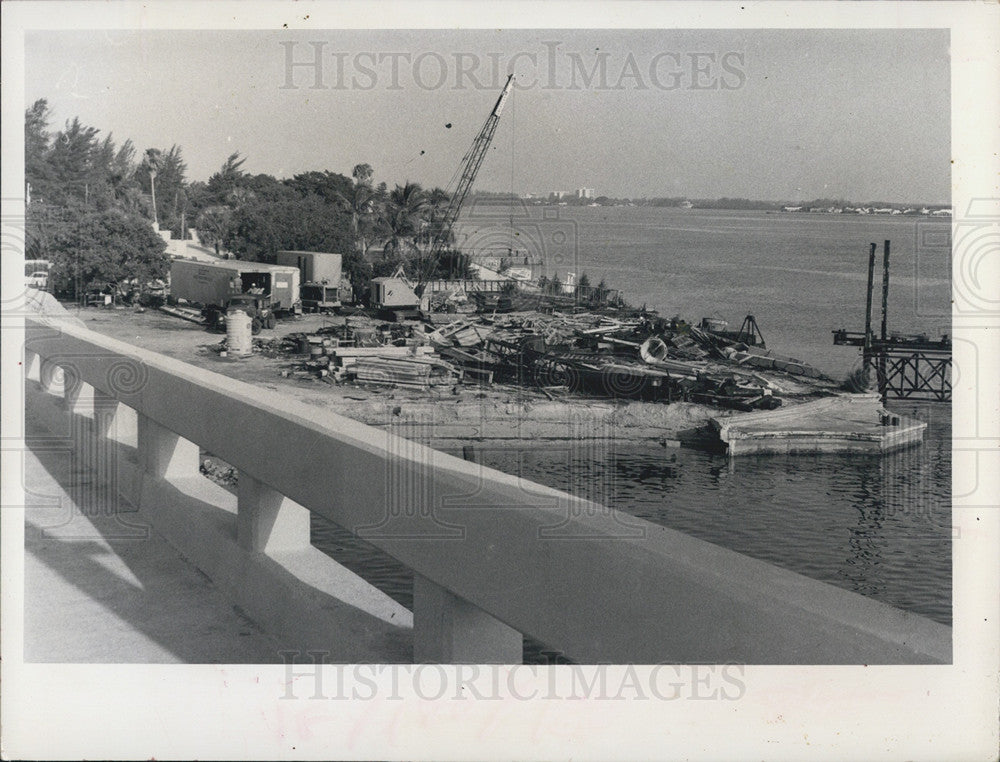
x=457, y=381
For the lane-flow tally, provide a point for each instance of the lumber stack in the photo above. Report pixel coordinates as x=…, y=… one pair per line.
x=413, y=372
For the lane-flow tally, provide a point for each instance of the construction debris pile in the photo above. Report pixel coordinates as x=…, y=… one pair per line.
x=643, y=357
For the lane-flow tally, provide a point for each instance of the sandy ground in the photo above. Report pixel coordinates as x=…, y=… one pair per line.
x=450, y=415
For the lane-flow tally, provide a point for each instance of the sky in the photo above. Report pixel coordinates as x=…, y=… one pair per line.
x=765, y=114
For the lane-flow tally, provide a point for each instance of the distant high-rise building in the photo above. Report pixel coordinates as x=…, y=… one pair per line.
x=584, y=192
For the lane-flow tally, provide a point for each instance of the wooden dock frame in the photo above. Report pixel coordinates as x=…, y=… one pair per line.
x=912, y=368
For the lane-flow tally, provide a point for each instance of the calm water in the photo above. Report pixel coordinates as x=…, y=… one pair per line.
x=800, y=275
x=877, y=526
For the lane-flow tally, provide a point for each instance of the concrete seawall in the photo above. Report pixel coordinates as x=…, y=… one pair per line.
x=846, y=423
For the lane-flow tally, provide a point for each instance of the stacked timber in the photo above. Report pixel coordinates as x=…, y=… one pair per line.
x=412, y=372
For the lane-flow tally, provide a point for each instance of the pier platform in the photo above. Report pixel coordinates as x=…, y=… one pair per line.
x=847, y=423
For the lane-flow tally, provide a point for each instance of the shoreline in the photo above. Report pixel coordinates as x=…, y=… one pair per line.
x=456, y=415
x=459, y=414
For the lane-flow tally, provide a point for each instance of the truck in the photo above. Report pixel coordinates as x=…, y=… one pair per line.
x=261, y=290
x=322, y=278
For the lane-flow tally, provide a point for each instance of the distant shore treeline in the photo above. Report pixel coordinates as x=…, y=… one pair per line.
x=816, y=204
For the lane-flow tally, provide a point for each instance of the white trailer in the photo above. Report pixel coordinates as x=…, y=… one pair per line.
x=215, y=286
x=314, y=266
x=321, y=273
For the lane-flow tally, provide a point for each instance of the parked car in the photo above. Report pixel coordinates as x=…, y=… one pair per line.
x=38, y=279
x=98, y=298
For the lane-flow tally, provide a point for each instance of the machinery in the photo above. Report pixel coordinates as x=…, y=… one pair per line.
x=397, y=292
x=262, y=291
x=322, y=278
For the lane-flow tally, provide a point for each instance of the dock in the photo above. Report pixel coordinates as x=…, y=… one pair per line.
x=846, y=423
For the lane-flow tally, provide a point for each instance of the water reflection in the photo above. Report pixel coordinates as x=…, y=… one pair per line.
x=866, y=541
x=875, y=525
x=879, y=526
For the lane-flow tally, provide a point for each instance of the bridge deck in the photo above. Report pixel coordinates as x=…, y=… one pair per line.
x=108, y=588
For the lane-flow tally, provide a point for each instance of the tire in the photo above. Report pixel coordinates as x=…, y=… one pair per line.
x=270, y=321
x=255, y=326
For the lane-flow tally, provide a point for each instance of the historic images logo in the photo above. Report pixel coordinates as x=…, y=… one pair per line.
x=314, y=65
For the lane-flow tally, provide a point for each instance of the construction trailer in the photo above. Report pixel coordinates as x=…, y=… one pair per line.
x=217, y=286
x=394, y=292
x=321, y=274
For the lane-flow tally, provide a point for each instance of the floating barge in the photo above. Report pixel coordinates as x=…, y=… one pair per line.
x=847, y=423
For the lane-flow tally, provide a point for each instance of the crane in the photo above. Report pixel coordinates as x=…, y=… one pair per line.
x=470, y=168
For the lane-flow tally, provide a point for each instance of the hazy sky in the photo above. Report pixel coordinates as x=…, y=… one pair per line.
x=777, y=114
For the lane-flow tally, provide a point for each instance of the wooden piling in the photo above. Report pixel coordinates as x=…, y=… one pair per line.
x=868, y=304
x=885, y=289
x=885, y=319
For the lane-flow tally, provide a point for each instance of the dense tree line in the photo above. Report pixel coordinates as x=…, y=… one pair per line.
x=87, y=213
x=94, y=207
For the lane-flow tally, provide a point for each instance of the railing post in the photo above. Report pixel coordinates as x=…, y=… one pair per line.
x=78, y=395
x=450, y=630
x=164, y=454
x=115, y=420
x=51, y=377
x=267, y=520
x=32, y=366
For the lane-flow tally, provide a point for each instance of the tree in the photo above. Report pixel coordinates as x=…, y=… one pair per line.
x=403, y=218
x=152, y=161
x=74, y=162
x=37, y=170
x=328, y=185
x=362, y=174
x=212, y=225
x=434, y=210
x=166, y=171
x=99, y=249
x=361, y=204
x=259, y=229
x=122, y=178
x=227, y=178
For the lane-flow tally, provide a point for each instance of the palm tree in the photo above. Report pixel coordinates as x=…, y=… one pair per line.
x=403, y=217
x=361, y=202
x=152, y=162
x=212, y=225
x=437, y=205
x=228, y=177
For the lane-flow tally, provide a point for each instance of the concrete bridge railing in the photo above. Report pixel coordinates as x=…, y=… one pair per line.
x=494, y=557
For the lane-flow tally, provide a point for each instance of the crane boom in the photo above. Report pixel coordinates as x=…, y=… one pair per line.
x=470, y=168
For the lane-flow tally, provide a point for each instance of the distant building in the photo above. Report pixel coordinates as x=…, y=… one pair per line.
x=584, y=192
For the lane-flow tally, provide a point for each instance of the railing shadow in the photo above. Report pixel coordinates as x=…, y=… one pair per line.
x=91, y=510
